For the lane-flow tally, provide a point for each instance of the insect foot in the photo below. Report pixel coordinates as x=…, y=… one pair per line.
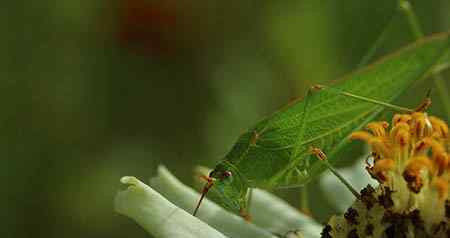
x=411, y=164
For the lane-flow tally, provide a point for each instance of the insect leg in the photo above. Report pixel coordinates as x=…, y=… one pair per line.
x=244, y=212
x=249, y=198
x=323, y=157
x=363, y=98
x=425, y=104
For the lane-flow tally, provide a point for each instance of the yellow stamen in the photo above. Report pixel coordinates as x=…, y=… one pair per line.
x=361, y=135
x=422, y=146
x=412, y=173
x=378, y=128
x=418, y=163
x=441, y=186
x=441, y=162
x=421, y=125
x=400, y=118
x=439, y=127
x=380, y=146
x=380, y=168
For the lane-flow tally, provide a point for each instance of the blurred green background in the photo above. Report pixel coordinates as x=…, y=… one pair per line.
x=94, y=90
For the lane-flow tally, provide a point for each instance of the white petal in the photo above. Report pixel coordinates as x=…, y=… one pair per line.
x=158, y=216
x=277, y=216
x=337, y=193
x=209, y=212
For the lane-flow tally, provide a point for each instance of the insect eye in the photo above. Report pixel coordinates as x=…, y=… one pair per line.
x=212, y=173
x=226, y=174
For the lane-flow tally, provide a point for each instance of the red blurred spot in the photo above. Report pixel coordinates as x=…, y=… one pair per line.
x=147, y=27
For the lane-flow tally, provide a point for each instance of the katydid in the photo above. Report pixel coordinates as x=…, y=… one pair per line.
x=275, y=153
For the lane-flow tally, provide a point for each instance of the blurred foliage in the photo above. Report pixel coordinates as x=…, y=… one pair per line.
x=94, y=90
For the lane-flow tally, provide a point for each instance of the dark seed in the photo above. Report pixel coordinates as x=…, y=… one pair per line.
x=390, y=231
x=326, y=232
x=385, y=199
x=350, y=215
x=353, y=234
x=367, y=196
x=441, y=227
x=447, y=208
x=369, y=229
x=417, y=220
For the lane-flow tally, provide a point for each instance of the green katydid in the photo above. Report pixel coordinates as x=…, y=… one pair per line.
x=275, y=152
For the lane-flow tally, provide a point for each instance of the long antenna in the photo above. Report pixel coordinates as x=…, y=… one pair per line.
x=208, y=185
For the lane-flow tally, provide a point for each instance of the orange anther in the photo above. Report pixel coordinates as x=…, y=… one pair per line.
x=380, y=146
x=378, y=128
x=417, y=164
x=412, y=173
x=384, y=165
x=439, y=126
x=380, y=168
x=441, y=162
x=360, y=135
x=400, y=118
x=441, y=186
x=421, y=125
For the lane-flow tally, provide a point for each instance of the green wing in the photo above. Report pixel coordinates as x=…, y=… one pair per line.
x=274, y=153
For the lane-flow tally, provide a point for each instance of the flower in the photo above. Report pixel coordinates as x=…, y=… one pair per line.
x=150, y=208
x=410, y=162
x=359, y=179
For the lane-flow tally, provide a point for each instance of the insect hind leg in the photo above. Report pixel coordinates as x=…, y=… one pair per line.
x=321, y=156
x=422, y=107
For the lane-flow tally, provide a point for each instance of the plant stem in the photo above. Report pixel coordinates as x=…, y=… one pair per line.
x=415, y=28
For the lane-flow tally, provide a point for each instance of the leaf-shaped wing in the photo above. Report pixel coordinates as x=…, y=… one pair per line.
x=274, y=153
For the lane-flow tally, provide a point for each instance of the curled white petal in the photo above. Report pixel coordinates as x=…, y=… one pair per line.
x=158, y=216
x=278, y=216
x=340, y=196
x=275, y=215
x=209, y=212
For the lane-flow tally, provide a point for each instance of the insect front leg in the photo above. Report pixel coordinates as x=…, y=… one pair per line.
x=245, y=206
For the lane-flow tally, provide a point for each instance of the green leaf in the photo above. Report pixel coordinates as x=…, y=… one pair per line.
x=275, y=152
